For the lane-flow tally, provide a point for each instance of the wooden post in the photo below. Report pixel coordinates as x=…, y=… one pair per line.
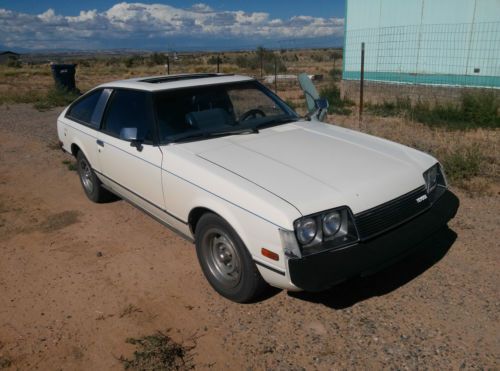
x=168, y=65
x=361, y=83
x=261, y=62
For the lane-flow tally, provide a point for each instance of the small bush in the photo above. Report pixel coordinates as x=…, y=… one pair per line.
x=463, y=164
x=336, y=103
x=335, y=73
x=14, y=62
x=156, y=59
x=158, y=352
x=252, y=61
x=55, y=97
x=387, y=108
x=213, y=59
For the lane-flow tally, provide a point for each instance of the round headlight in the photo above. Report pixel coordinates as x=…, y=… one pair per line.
x=331, y=223
x=306, y=230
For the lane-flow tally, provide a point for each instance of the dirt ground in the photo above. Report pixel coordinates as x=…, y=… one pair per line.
x=77, y=279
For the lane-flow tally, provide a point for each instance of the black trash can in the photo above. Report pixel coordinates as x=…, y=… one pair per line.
x=64, y=76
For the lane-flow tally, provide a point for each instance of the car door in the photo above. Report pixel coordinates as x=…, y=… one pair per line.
x=82, y=122
x=129, y=156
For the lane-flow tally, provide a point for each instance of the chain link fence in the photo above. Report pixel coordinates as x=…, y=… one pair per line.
x=423, y=62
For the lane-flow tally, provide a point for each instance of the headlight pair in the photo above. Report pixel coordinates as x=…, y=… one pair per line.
x=307, y=228
x=326, y=230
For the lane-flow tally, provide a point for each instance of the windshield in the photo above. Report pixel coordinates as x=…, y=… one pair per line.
x=202, y=112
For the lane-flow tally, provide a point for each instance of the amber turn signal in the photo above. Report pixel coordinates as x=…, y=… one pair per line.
x=270, y=254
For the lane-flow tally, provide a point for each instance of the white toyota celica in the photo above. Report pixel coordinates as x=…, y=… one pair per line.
x=267, y=196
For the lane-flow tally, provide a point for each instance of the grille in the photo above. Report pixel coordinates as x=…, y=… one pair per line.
x=388, y=215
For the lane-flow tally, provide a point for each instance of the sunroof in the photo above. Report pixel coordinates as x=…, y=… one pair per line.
x=159, y=80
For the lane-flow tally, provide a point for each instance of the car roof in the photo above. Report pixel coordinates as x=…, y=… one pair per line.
x=166, y=82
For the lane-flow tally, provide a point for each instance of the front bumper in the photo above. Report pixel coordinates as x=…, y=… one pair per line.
x=321, y=271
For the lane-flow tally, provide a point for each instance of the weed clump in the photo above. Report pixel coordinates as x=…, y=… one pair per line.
x=158, y=352
x=55, y=97
x=336, y=103
x=463, y=164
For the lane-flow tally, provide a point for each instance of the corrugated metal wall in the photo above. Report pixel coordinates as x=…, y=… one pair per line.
x=446, y=42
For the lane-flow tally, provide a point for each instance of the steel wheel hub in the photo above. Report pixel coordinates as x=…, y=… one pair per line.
x=86, y=176
x=222, y=257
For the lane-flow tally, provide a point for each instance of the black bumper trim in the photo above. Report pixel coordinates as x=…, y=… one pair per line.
x=321, y=271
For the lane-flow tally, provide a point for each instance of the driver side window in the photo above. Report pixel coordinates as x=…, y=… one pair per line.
x=130, y=109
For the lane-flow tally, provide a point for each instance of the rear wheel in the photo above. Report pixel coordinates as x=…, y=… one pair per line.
x=225, y=261
x=90, y=183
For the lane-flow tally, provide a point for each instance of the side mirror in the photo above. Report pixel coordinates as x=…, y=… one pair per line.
x=310, y=92
x=130, y=134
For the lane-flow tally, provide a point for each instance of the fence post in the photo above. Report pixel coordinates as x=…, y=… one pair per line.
x=361, y=83
x=261, y=62
x=275, y=75
x=168, y=65
x=218, y=63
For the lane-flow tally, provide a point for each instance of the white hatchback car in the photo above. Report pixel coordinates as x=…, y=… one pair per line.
x=267, y=196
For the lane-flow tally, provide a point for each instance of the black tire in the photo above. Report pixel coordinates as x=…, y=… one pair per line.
x=226, y=262
x=92, y=186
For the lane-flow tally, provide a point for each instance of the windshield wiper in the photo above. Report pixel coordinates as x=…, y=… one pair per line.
x=215, y=134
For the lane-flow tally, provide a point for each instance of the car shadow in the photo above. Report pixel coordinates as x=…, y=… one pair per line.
x=356, y=290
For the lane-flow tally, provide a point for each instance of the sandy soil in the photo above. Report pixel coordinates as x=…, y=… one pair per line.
x=77, y=279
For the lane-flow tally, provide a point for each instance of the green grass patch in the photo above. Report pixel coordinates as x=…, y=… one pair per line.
x=475, y=110
x=335, y=74
x=27, y=97
x=336, y=103
x=463, y=164
x=387, y=108
x=55, y=98
x=158, y=352
x=71, y=165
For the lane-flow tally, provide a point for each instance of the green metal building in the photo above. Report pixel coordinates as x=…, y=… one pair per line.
x=424, y=42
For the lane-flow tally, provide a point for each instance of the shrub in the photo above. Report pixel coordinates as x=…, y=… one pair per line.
x=55, y=97
x=269, y=59
x=336, y=103
x=158, y=352
x=387, y=108
x=156, y=59
x=463, y=164
x=335, y=73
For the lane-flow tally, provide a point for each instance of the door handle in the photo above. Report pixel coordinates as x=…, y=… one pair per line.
x=100, y=143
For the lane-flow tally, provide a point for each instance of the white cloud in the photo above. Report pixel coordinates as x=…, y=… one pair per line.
x=134, y=21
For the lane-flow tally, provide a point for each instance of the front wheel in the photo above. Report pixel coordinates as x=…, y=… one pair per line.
x=225, y=261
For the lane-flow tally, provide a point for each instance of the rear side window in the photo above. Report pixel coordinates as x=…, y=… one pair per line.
x=130, y=109
x=83, y=109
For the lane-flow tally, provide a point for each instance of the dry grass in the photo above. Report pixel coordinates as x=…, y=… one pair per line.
x=471, y=157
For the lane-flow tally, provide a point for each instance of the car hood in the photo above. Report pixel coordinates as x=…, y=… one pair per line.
x=316, y=166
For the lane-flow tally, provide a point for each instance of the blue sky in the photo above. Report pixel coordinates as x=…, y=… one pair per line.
x=174, y=24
